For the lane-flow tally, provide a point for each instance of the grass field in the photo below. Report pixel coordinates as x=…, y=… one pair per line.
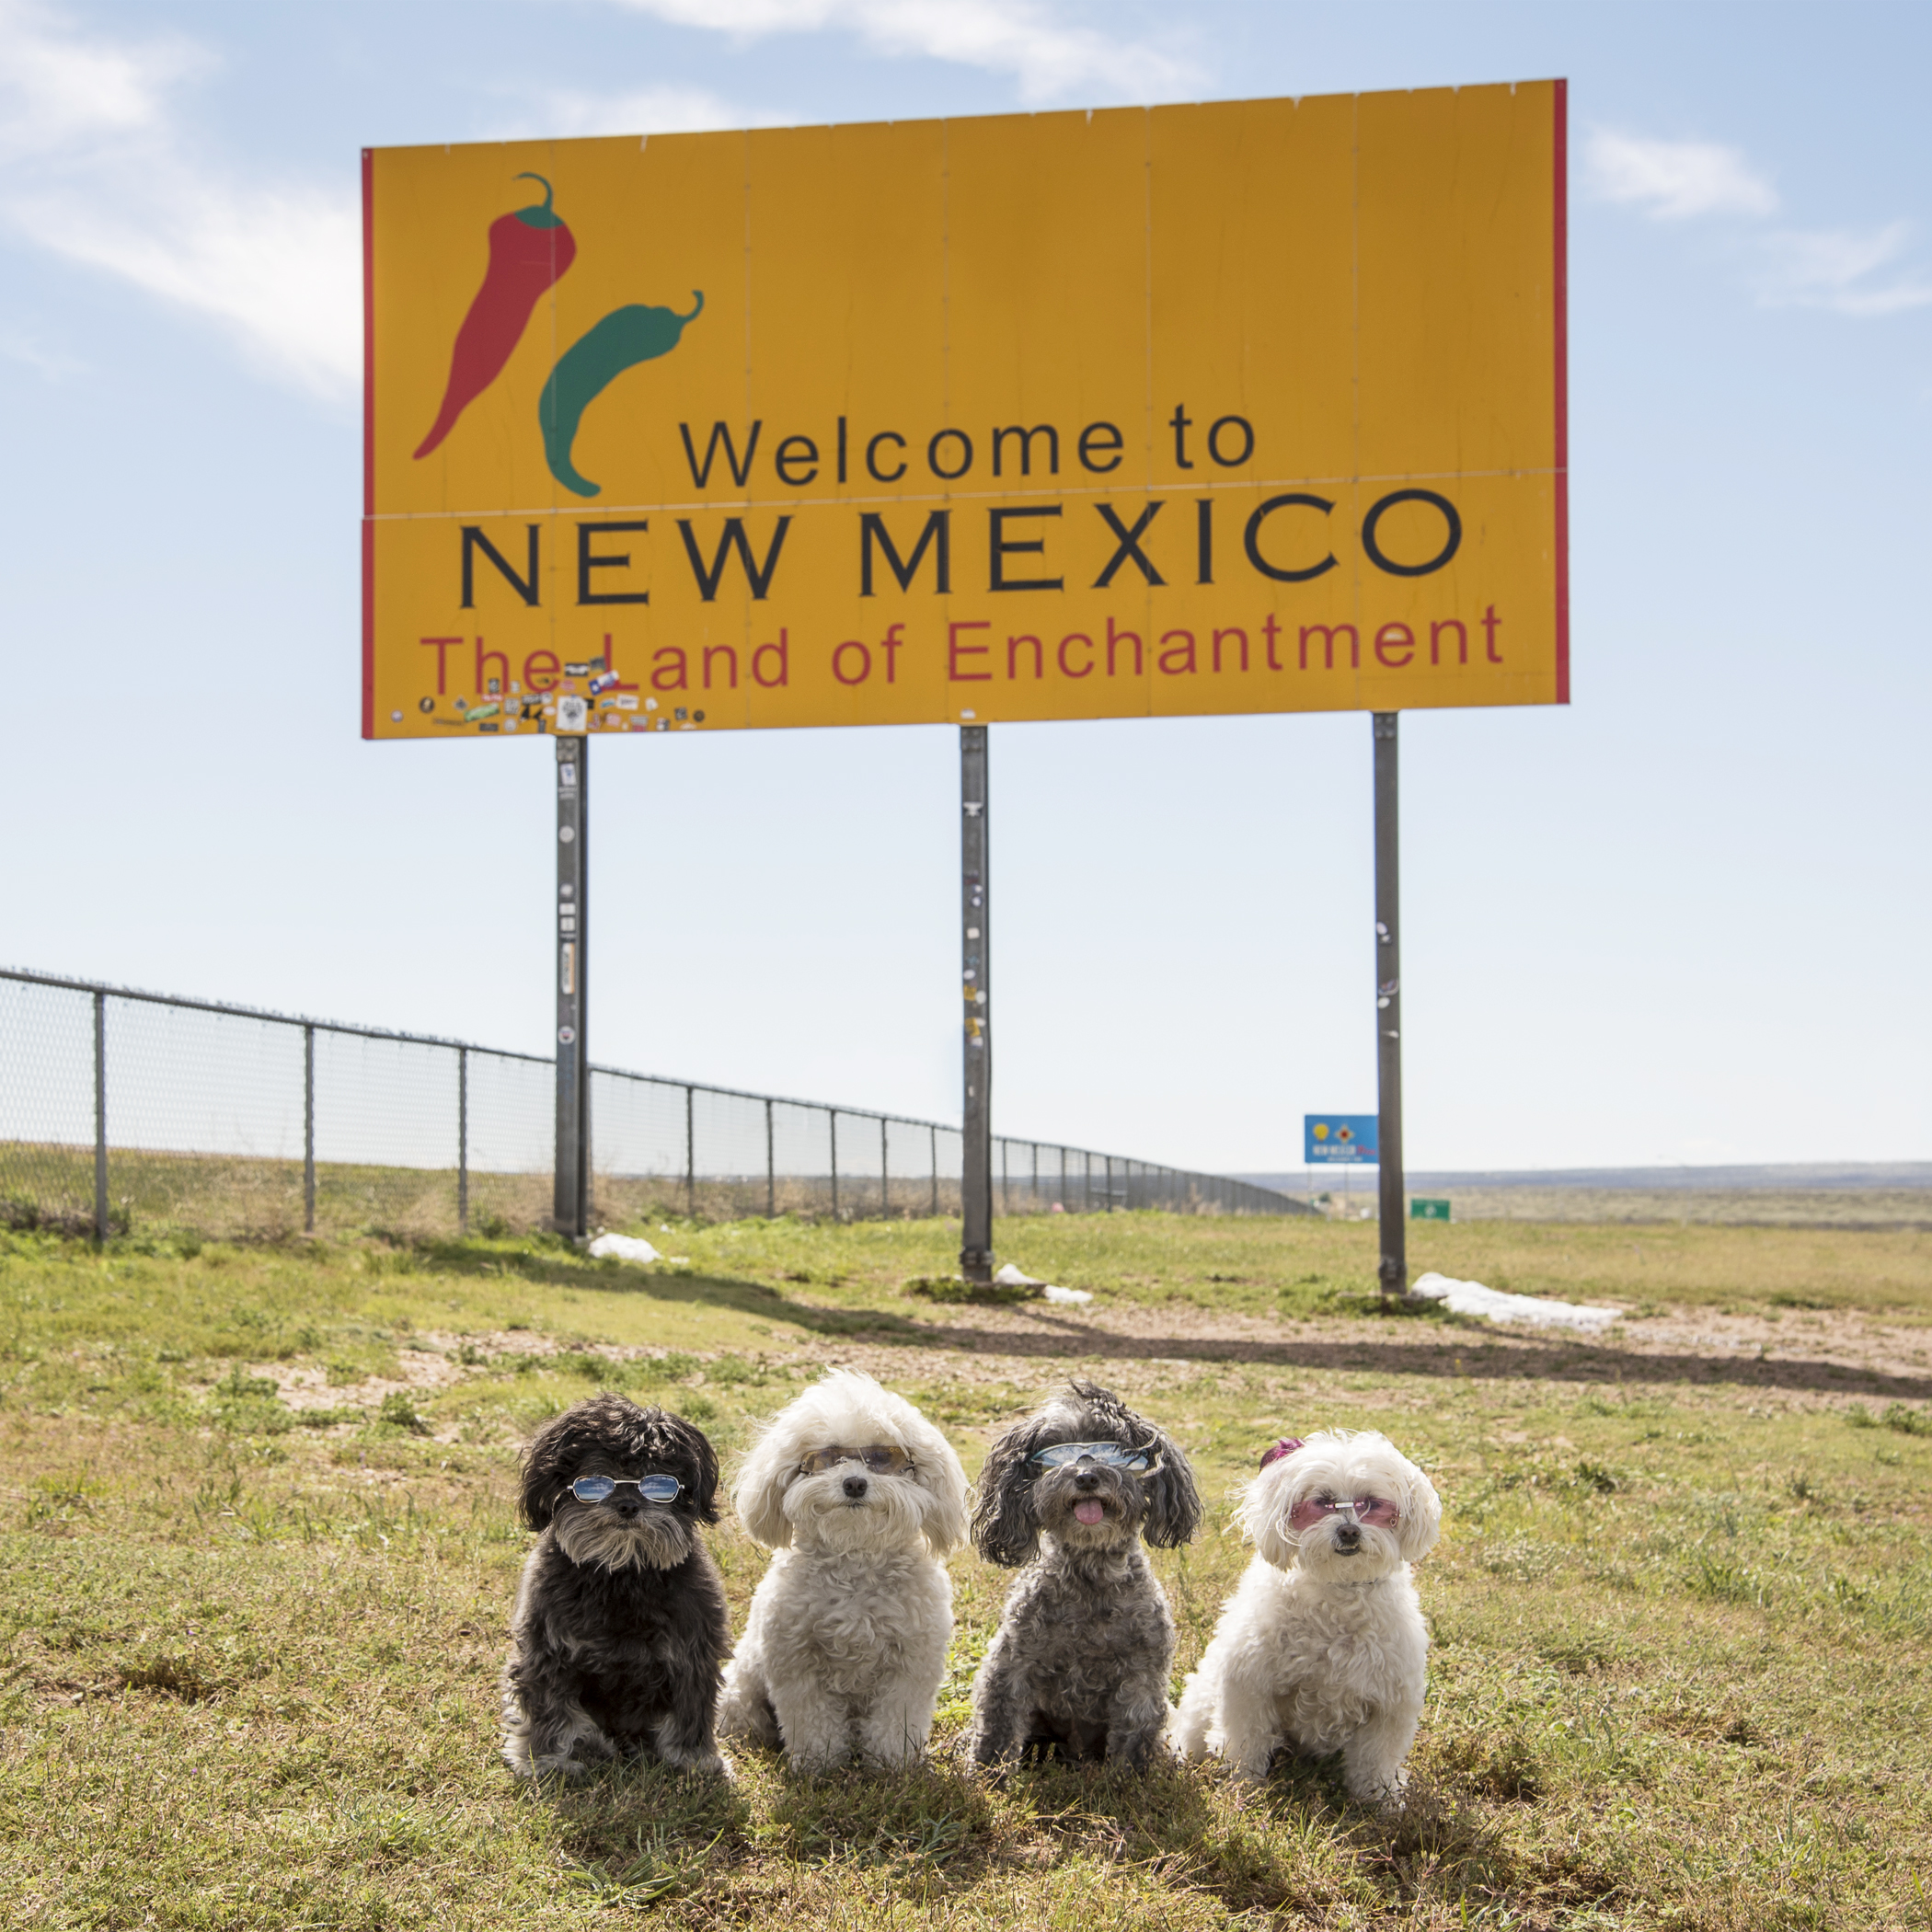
x=255, y=1504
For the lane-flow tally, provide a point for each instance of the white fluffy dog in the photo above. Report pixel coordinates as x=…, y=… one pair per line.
x=1322, y=1647
x=862, y=1500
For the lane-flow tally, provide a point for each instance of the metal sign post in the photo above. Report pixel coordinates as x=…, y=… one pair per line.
x=1394, y=1271
x=976, y=955
x=572, y=1207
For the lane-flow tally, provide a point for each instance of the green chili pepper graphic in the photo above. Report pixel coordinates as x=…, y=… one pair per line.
x=624, y=338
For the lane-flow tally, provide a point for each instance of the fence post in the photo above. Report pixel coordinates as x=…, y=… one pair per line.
x=933, y=1133
x=309, y=1129
x=1109, y=1183
x=100, y=1117
x=834, y=1112
x=771, y=1169
x=885, y=1171
x=463, y=1140
x=690, y=1152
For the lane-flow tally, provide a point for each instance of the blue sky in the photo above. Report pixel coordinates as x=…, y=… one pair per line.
x=1683, y=920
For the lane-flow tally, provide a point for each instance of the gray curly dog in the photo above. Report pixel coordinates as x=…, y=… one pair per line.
x=1079, y=1666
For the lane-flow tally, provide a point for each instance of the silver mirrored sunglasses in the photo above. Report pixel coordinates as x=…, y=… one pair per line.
x=880, y=1458
x=650, y=1489
x=1112, y=1454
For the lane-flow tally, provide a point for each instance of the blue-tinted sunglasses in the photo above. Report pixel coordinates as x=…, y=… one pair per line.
x=601, y=1488
x=1112, y=1454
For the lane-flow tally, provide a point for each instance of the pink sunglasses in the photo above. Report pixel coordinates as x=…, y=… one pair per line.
x=1377, y=1511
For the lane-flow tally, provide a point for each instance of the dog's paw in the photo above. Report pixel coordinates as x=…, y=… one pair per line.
x=570, y=1769
x=1388, y=1799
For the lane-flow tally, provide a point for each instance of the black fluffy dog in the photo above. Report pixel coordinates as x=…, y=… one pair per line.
x=1079, y=1666
x=620, y=1628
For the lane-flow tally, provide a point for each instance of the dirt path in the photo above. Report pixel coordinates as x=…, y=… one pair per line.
x=1831, y=1358
x=1840, y=1356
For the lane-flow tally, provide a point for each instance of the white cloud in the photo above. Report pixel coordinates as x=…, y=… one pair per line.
x=1832, y=269
x=1018, y=37
x=1828, y=268
x=1674, y=180
x=100, y=171
x=17, y=346
x=561, y=112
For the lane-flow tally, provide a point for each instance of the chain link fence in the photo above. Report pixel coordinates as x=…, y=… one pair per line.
x=121, y=1108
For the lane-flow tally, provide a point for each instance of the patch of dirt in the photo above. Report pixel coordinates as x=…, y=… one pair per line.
x=1836, y=1355
x=1829, y=1358
x=423, y=1370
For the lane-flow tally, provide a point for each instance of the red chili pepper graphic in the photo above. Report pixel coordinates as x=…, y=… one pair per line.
x=528, y=253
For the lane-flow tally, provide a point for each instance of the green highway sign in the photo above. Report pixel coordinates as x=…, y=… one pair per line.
x=1421, y=1209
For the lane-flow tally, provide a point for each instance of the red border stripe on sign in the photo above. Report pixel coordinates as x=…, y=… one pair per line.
x=1561, y=280
x=368, y=445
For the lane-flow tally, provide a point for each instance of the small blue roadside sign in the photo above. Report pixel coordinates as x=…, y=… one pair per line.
x=1330, y=1139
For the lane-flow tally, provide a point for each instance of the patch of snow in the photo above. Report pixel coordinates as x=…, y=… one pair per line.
x=1010, y=1277
x=624, y=1247
x=1493, y=1304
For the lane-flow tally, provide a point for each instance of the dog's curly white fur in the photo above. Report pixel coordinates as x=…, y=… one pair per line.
x=845, y=1647
x=1322, y=1647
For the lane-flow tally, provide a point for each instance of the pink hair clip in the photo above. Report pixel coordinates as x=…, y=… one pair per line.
x=1286, y=1446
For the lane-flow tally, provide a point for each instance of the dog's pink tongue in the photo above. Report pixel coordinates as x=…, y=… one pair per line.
x=1090, y=1511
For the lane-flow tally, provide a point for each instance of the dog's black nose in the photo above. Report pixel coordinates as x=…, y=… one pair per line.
x=1348, y=1537
x=626, y=1510
x=854, y=1487
x=1086, y=1479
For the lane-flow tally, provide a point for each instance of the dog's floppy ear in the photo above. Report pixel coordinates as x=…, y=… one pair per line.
x=1422, y=1515
x=694, y=1447
x=758, y=1495
x=1262, y=1514
x=1173, y=1501
x=939, y=1474
x=1004, y=1529
x=553, y=1451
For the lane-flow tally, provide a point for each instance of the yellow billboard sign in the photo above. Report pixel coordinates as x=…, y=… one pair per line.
x=1249, y=406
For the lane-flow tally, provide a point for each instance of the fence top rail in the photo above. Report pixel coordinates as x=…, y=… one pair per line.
x=739, y=1093
x=230, y=1010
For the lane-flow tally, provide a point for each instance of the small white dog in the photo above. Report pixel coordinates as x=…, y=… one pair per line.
x=1322, y=1647
x=862, y=1500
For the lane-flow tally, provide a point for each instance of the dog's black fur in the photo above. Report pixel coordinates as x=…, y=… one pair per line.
x=620, y=1631
x=1079, y=1666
